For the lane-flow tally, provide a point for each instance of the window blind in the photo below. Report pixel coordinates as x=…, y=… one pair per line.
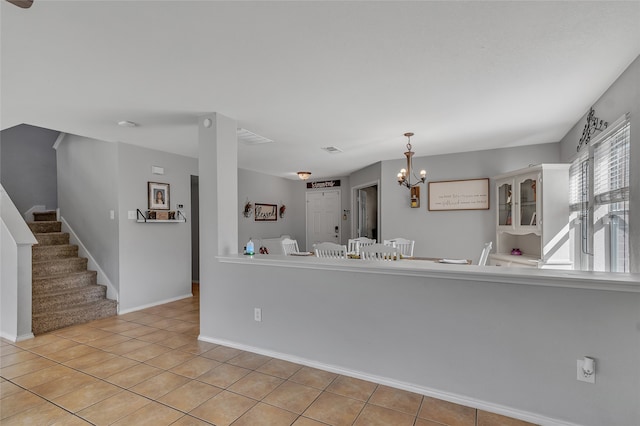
x=611, y=166
x=579, y=182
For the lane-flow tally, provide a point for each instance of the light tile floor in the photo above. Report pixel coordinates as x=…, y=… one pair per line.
x=148, y=368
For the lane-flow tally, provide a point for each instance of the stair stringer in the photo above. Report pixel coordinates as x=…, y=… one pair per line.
x=92, y=264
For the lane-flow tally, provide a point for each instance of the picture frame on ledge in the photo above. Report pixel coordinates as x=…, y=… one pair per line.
x=158, y=195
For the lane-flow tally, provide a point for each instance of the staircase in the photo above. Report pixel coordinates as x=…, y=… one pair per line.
x=64, y=291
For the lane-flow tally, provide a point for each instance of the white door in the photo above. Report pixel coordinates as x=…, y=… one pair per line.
x=323, y=218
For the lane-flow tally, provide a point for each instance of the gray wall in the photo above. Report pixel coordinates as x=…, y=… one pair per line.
x=622, y=97
x=154, y=258
x=147, y=263
x=501, y=344
x=266, y=189
x=452, y=234
x=87, y=192
x=504, y=345
x=369, y=175
x=28, y=166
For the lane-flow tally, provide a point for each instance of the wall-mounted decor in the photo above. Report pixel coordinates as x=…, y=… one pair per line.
x=158, y=195
x=323, y=184
x=248, y=209
x=594, y=124
x=283, y=208
x=469, y=194
x=266, y=212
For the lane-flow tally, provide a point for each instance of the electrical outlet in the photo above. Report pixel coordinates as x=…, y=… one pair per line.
x=180, y=206
x=257, y=314
x=131, y=214
x=591, y=378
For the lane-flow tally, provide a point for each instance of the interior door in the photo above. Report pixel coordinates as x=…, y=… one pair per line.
x=367, y=212
x=323, y=218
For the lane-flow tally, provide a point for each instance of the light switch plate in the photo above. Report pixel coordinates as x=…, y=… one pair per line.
x=131, y=214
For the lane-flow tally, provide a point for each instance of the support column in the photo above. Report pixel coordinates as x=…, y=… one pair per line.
x=218, y=190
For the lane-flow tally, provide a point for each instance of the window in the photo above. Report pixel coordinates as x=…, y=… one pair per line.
x=599, y=198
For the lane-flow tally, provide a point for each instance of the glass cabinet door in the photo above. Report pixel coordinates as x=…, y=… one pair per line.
x=505, y=203
x=528, y=201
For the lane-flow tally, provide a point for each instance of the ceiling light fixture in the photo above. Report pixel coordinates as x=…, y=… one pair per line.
x=125, y=123
x=304, y=175
x=404, y=177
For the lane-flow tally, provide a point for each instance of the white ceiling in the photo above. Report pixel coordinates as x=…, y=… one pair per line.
x=462, y=76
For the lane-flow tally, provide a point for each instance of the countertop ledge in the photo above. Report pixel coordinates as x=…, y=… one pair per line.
x=495, y=274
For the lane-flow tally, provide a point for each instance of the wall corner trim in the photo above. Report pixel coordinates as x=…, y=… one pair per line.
x=59, y=140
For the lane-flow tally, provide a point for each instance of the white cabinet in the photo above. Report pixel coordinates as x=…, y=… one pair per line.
x=533, y=217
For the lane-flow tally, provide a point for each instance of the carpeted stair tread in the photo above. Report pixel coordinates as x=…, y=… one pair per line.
x=52, y=238
x=45, y=226
x=45, y=268
x=46, y=216
x=64, y=292
x=67, y=298
x=59, y=251
x=63, y=281
x=79, y=314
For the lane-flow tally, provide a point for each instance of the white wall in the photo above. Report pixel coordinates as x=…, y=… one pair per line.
x=622, y=97
x=87, y=193
x=154, y=258
x=451, y=234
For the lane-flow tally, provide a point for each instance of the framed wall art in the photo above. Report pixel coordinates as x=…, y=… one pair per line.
x=468, y=194
x=158, y=194
x=266, y=212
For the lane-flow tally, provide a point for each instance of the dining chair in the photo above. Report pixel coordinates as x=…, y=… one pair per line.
x=379, y=252
x=289, y=246
x=403, y=245
x=485, y=253
x=355, y=244
x=331, y=250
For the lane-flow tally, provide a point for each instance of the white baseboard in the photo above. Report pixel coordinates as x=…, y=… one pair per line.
x=14, y=338
x=151, y=305
x=112, y=293
x=410, y=387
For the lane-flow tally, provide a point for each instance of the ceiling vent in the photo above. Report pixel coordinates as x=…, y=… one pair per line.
x=251, y=138
x=332, y=149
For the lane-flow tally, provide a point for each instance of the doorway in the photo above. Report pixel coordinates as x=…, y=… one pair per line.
x=366, y=211
x=195, y=229
x=323, y=218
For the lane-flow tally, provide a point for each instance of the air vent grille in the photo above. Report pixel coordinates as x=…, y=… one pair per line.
x=251, y=138
x=332, y=149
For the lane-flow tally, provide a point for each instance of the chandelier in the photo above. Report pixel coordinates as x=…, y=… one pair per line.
x=404, y=177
